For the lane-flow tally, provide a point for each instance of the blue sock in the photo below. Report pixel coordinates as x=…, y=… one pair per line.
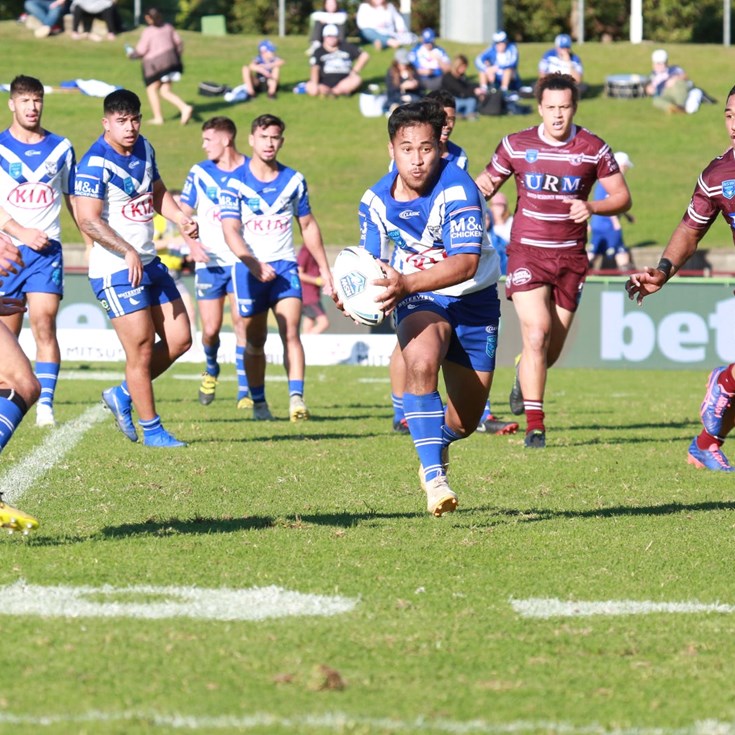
x=449, y=436
x=152, y=426
x=11, y=414
x=425, y=416
x=210, y=352
x=257, y=393
x=398, y=413
x=47, y=374
x=242, y=377
x=295, y=387
x=487, y=413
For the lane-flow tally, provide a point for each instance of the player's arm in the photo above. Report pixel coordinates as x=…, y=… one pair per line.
x=488, y=184
x=196, y=248
x=10, y=258
x=30, y=236
x=232, y=229
x=90, y=221
x=448, y=272
x=617, y=201
x=312, y=236
x=166, y=206
x=681, y=247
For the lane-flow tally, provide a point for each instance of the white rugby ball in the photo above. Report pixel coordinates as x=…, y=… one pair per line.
x=353, y=273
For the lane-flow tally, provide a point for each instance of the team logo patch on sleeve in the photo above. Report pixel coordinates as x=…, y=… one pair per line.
x=728, y=188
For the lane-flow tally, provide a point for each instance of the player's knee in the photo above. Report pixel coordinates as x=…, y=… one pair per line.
x=254, y=350
x=28, y=388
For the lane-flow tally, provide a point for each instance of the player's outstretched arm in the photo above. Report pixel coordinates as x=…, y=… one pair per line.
x=681, y=247
x=487, y=184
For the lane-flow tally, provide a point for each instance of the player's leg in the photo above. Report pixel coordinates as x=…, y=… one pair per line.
x=718, y=415
x=534, y=311
x=244, y=399
x=169, y=95
x=210, y=315
x=288, y=316
x=43, y=309
x=154, y=101
x=256, y=334
x=397, y=372
x=424, y=337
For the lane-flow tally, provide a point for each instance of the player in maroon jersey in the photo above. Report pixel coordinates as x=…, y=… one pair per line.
x=714, y=194
x=555, y=166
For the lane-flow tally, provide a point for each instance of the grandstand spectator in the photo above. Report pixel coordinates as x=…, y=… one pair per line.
x=561, y=60
x=712, y=198
x=335, y=66
x=380, y=24
x=498, y=64
x=466, y=94
x=670, y=87
x=430, y=60
x=401, y=81
x=554, y=166
x=330, y=13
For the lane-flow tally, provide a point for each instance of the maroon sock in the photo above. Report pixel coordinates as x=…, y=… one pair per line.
x=705, y=440
x=726, y=380
x=534, y=415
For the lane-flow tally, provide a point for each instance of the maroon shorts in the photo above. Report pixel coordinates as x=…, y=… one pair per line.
x=564, y=270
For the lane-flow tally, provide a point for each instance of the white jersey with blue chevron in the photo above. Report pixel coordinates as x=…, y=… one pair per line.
x=266, y=210
x=125, y=185
x=455, y=155
x=201, y=192
x=33, y=179
x=448, y=221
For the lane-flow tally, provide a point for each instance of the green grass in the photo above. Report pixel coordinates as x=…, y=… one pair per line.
x=342, y=153
x=610, y=511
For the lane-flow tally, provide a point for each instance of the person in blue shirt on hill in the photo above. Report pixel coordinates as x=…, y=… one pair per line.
x=498, y=64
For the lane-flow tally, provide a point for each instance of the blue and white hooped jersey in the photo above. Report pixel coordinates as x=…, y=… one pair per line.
x=266, y=210
x=421, y=233
x=33, y=179
x=125, y=185
x=201, y=192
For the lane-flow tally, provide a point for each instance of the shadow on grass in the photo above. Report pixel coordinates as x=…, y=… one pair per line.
x=177, y=526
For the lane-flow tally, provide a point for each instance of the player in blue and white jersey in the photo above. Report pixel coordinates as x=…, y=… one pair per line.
x=118, y=190
x=36, y=174
x=428, y=219
x=214, y=259
x=258, y=208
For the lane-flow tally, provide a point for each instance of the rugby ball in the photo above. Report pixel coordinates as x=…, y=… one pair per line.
x=353, y=273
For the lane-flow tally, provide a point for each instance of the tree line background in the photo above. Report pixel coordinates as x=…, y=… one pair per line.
x=525, y=20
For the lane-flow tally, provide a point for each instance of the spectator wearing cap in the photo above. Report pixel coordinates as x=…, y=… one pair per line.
x=330, y=13
x=401, y=81
x=381, y=24
x=669, y=86
x=431, y=61
x=606, y=233
x=561, y=60
x=498, y=64
x=335, y=66
x=263, y=72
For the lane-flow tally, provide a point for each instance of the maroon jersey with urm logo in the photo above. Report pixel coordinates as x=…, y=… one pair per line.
x=546, y=174
x=714, y=193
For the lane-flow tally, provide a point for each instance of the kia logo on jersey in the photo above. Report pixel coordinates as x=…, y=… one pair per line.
x=32, y=196
x=139, y=209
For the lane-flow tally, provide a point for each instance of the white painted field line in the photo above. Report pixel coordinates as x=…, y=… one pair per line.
x=541, y=607
x=337, y=722
x=148, y=602
x=60, y=441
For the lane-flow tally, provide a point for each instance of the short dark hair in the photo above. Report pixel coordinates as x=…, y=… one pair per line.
x=25, y=85
x=266, y=121
x=444, y=98
x=557, y=82
x=425, y=112
x=122, y=101
x=221, y=124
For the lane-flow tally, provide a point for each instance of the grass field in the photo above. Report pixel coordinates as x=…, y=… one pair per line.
x=342, y=153
x=432, y=635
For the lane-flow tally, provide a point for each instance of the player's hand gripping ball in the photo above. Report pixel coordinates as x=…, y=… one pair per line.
x=353, y=273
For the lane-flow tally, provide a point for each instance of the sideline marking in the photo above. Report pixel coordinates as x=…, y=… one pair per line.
x=256, y=603
x=62, y=439
x=540, y=607
x=338, y=722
